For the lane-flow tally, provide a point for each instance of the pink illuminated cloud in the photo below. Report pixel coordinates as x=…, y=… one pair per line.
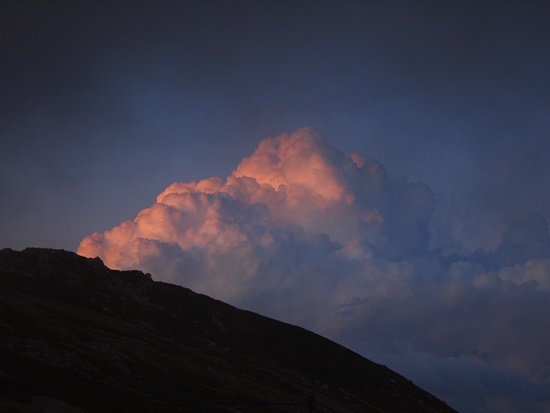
x=292, y=180
x=301, y=232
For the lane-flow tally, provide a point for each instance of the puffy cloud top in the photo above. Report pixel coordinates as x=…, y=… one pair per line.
x=293, y=182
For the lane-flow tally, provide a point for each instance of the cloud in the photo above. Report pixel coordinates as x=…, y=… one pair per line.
x=301, y=232
x=478, y=387
x=526, y=238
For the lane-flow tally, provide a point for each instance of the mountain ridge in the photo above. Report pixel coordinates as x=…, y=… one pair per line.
x=96, y=339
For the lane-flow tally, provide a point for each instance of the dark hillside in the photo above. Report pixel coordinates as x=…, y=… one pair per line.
x=76, y=336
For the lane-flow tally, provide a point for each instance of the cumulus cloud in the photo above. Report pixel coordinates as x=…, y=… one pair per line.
x=295, y=195
x=304, y=233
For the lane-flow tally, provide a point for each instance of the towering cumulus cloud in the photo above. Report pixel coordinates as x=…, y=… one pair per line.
x=294, y=198
x=304, y=233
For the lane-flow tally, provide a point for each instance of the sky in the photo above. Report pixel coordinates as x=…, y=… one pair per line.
x=375, y=171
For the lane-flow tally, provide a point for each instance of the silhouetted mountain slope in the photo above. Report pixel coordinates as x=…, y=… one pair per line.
x=81, y=337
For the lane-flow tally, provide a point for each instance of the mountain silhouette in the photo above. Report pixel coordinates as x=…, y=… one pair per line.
x=77, y=337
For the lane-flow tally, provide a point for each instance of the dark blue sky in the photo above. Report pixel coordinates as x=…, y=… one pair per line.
x=105, y=104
